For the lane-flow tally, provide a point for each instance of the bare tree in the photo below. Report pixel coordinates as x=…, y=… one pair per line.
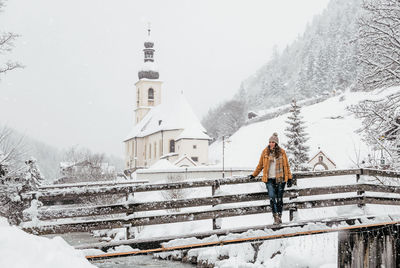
x=381, y=125
x=225, y=119
x=12, y=152
x=174, y=193
x=379, y=44
x=7, y=40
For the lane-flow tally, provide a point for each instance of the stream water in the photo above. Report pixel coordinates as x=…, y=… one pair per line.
x=123, y=262
x=139, y=261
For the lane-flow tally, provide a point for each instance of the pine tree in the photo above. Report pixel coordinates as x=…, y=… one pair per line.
x=297, y=137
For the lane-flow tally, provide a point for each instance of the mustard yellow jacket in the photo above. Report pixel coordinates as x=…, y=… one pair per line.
x=282, y=166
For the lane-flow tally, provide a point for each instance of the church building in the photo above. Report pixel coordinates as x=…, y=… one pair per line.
x=164, y=128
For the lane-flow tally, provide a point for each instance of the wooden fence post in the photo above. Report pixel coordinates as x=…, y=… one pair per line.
x=293, y=207
x=129, y=232
x=361, y=193
x=216, y=223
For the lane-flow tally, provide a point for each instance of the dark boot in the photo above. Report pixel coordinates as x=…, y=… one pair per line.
x=276, y=218
x=279, y=218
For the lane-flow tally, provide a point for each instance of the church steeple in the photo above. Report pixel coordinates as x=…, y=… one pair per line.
x=148, y=88
x=149, y=70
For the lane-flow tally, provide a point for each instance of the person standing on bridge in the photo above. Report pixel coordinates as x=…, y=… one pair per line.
x=276, y=175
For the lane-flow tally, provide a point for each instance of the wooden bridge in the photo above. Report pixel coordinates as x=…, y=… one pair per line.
x=95, y=207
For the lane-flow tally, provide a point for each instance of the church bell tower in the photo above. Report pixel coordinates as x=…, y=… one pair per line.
x=148, y=88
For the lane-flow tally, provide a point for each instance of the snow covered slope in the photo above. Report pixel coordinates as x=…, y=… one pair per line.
x=329, y=125
x=19, y=249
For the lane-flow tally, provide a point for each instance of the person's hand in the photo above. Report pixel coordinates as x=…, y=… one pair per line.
x=289, y=183
x=250, y=177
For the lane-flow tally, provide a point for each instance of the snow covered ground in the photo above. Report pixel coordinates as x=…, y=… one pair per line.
x=330, y=126
x=19, y=249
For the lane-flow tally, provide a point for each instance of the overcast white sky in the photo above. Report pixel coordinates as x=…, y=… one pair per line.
x=82, y=59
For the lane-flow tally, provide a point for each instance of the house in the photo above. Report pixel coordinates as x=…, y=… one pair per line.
x=165, y=128
x=84, y=171
x=320, y=161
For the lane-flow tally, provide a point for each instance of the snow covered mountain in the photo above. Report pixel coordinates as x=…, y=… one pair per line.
x=321, y=59
x=331, y=127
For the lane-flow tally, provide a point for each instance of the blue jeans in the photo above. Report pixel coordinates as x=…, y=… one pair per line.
x=275, y=193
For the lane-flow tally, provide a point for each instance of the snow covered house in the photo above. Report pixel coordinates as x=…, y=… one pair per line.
x=321, y=162
x=84, y=171
x=164, y=128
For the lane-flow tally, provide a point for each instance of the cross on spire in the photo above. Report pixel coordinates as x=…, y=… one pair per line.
x=149, y=28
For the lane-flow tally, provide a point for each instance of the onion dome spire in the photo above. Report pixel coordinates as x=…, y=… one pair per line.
x=149, y=69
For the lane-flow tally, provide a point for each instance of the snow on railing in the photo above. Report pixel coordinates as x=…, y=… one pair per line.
x=61, y=219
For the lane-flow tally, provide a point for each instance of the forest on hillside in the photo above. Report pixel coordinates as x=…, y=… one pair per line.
x=353, y=44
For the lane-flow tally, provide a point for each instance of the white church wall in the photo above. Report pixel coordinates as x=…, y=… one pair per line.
x=194, y=149
x=143, y=86
x=321, y=162
x=152, y=147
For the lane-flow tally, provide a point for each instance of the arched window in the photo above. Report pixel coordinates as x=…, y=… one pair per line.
x=172, y=146
x=151, y=94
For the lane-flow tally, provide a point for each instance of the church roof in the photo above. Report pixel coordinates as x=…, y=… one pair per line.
x=170, y=115
x=319, y=153
x=193, y=132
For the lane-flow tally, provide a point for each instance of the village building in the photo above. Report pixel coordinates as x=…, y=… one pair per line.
x=85, y=171
x=164, y=128
x=320, y=161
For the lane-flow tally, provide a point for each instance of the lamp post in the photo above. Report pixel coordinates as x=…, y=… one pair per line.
x=223, y=155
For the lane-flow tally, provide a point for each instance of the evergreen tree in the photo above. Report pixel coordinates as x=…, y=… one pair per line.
x=297, y=137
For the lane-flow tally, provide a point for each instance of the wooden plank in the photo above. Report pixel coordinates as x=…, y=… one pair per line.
x=45, y=196
x=149, y=206
x=380, y=188
x=184, y=217
x=206, y=201
x=156, y=241
x=382, y=200
x=91, y=184
x=383, y=173
x=51, y=198
x=109, y=190
x=244, y=240
x=326, y=173
x=184, y=203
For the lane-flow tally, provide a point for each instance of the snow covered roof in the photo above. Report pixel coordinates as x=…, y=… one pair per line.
x=184, y=158
x=170, y=115
x=321, y=152
x=161, y=164
x=193, y=132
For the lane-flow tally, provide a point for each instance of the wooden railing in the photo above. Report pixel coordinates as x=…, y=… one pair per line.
x=122, y=215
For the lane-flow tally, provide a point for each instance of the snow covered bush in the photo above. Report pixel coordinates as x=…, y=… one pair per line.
x=380, y=127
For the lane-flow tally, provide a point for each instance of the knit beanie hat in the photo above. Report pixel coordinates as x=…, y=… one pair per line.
x=274, y=138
